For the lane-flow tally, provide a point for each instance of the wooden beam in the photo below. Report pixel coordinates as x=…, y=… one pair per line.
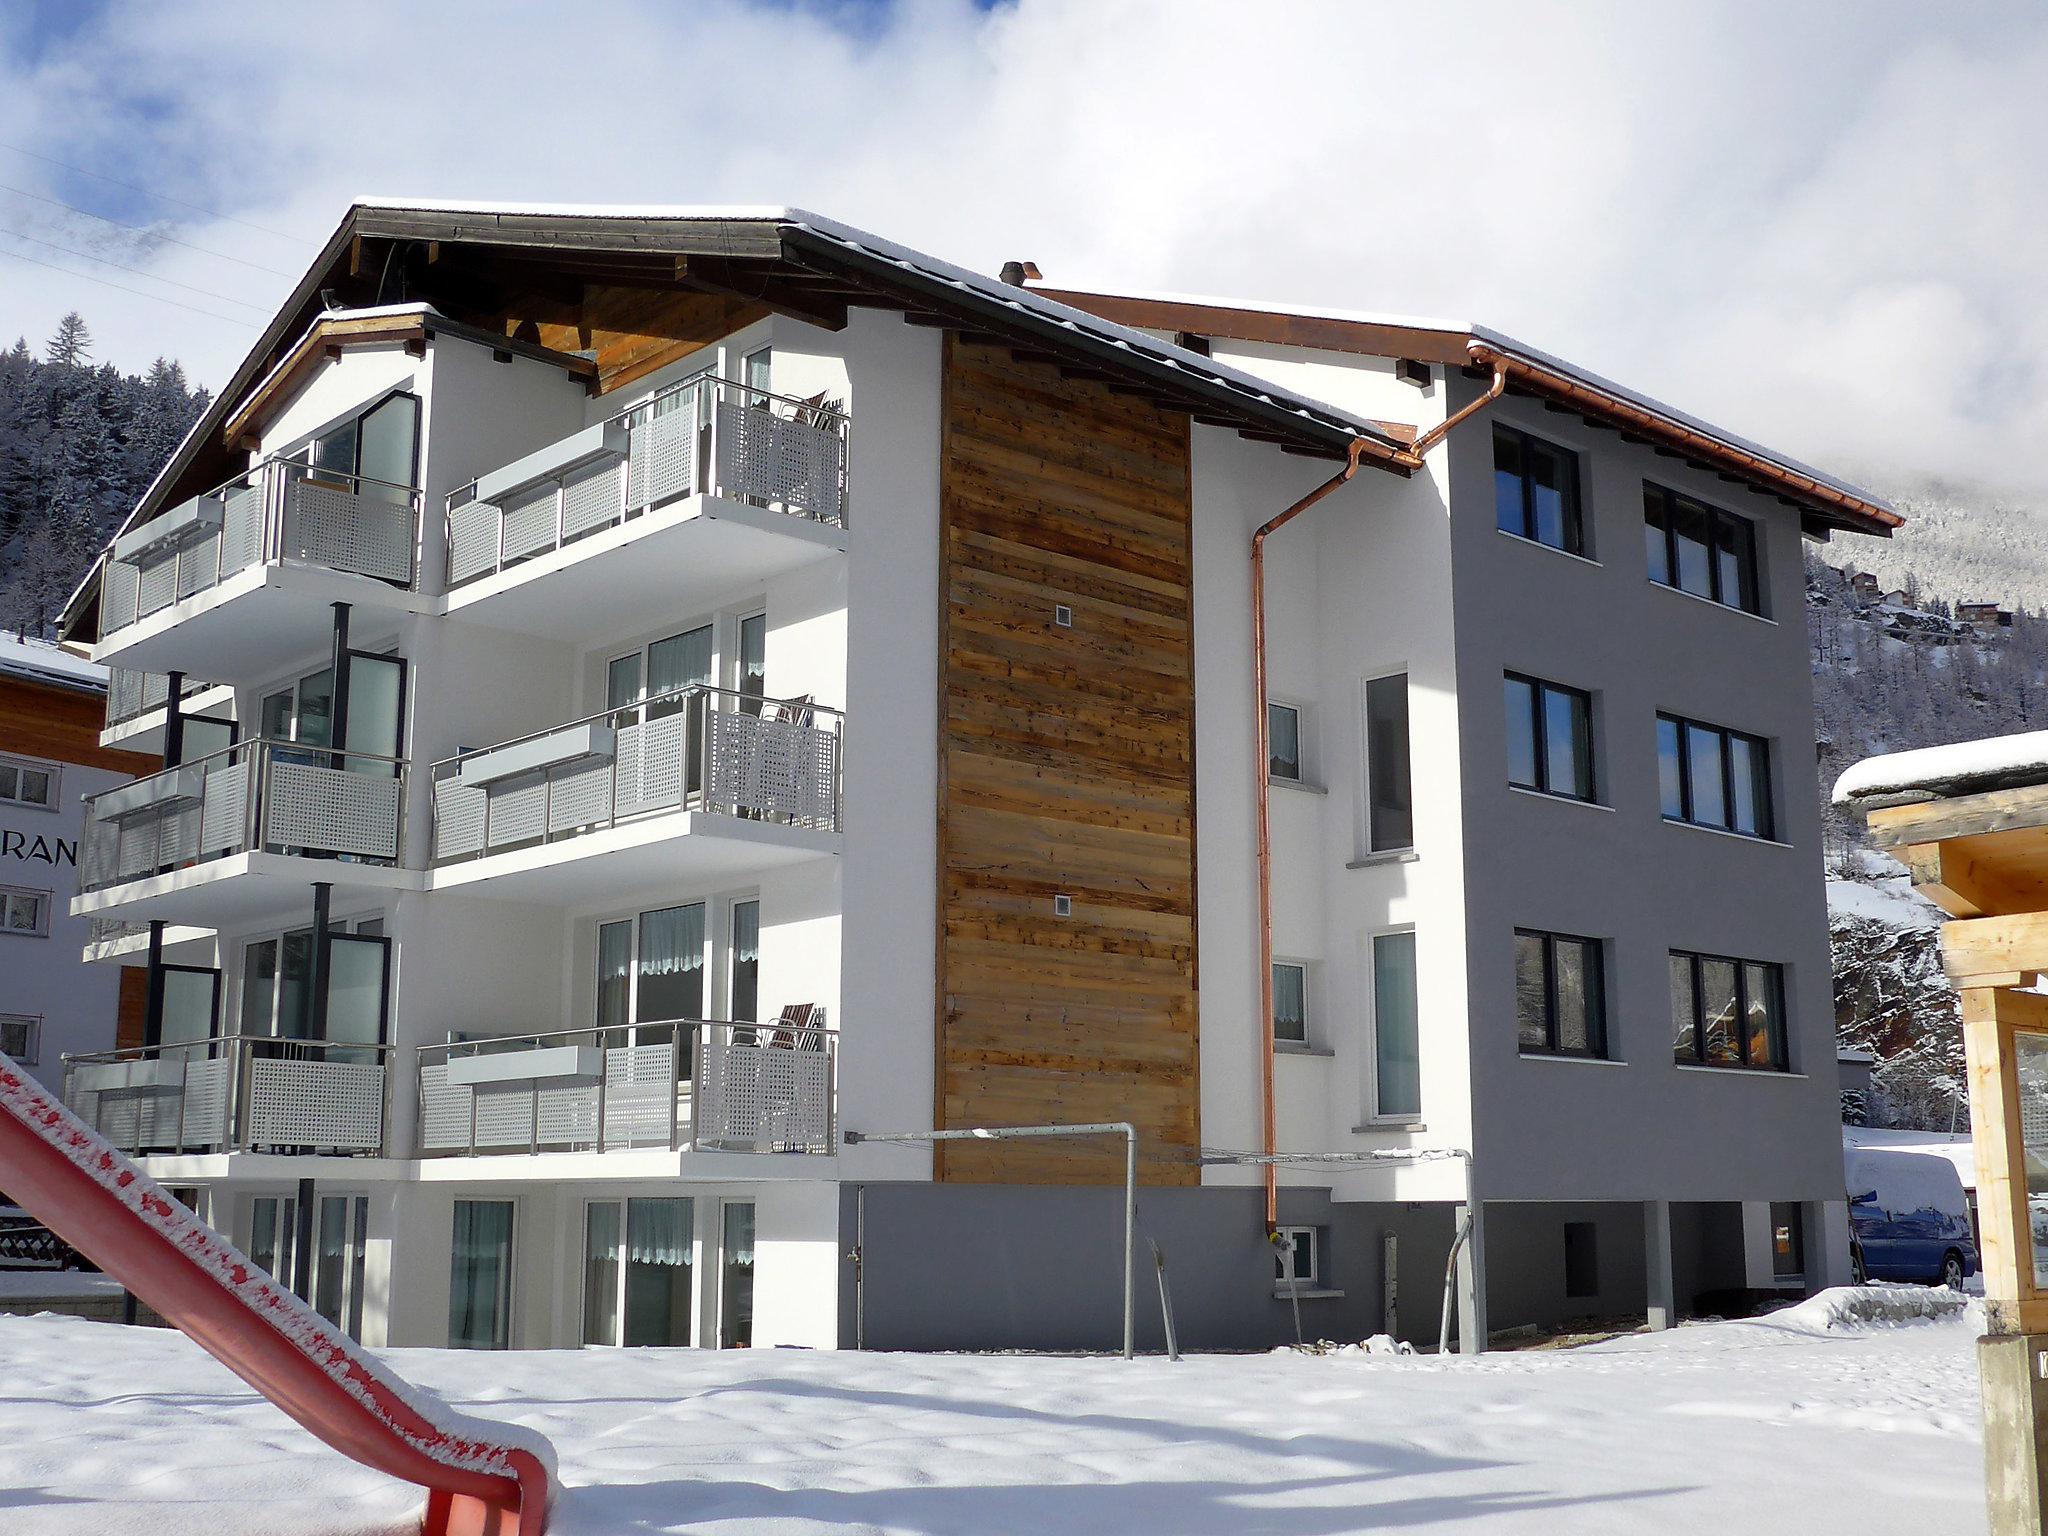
x=1931, y=821
x=757, y=285
x=1984, y=951
x=1981, y=876
x=1992, y=1018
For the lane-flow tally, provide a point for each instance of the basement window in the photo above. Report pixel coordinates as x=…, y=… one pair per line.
x=1297, y=1256
x=1581, y=1260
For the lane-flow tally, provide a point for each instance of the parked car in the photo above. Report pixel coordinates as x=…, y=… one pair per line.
x=1908, y=1218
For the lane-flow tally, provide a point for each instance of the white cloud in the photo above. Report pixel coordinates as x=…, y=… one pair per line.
x=1820, y=226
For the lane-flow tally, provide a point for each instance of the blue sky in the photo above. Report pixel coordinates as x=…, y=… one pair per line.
x=1819, y=225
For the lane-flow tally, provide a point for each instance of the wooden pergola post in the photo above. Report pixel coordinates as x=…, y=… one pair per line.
x=1983, y=858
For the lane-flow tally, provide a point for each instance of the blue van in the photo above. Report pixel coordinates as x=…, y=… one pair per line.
x=1908, y=1218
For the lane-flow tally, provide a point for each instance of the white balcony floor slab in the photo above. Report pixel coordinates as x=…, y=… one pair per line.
x=237, y=632
x=653, y=855
x=584, y=1169
x=183, y=945
x=224, y=892
x=671, y=560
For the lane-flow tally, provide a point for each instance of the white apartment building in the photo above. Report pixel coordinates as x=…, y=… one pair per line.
x=648, y=692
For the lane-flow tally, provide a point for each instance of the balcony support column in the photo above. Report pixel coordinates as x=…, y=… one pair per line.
x=302, y=1243
x=338, y=735
x=153, y=992
x=316, y=1010
x=174, y=722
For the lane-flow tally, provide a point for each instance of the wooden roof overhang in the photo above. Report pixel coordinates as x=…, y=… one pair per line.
x=1822, y=506
x=1977, y=855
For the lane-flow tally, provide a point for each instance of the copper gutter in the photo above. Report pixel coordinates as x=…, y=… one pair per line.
x=1261, y=765
x=1409, y=459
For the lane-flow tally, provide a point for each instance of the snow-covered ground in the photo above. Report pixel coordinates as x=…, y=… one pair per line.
x=1811, y=1420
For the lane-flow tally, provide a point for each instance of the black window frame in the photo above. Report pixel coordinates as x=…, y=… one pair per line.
x=1788, y=1216
x=1540, y=737
x=1575, y=507
x=1697, y=1057
x=1666, y=501
x=1596, y=1001
x=1763, y=787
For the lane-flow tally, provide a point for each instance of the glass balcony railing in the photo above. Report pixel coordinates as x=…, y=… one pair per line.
x=705, y=436
x=696, y=749
x=257, y=795
x=690, y=1084
x=278, y=511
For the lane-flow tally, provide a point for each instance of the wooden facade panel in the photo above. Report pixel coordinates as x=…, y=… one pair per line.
x=632, y=331
x=1066, y=769
x=63, y=724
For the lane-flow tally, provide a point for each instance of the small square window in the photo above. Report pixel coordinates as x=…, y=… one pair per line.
x=1063, y=616
x=24, y=912
x=1297, y=1256
x=26, y=783
x=18, y=1032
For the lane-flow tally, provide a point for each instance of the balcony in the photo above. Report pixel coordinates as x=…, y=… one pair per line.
x=136, y=704
x=237, y=1093
x=236, y=832
x=708, y=486
x=728, y=1088
x=697, y=781
x=276, y=545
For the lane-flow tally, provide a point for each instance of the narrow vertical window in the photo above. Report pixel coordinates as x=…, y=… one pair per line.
x=753, y=662
x=746, y=961
x=1397, y=1059
x=1283, y=742
x=1685, y=1018
x=1290, y=1003
x=736, y=1277
x=1390, y=810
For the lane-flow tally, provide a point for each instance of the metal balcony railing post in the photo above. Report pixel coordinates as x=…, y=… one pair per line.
x=604, y=1077
x=675, y=1089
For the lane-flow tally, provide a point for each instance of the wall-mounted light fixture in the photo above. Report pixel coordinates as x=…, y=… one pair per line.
x=1063, y=616
x=1063, y=906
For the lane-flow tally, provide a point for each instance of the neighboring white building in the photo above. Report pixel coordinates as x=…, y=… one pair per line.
x=51, y=1001
x=708, y=680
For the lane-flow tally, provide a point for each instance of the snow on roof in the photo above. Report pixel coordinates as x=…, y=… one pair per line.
x=1501, y=341
x=1959, y=766
x=45, y=661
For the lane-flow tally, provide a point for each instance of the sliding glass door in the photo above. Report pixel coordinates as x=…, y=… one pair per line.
x=480, y=1276
x=637, y=1272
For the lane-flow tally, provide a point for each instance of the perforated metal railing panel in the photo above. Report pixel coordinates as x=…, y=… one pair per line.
x=661, y=458
x=333, y=1105
x=472, y=541
x=777, y=767
x=331, y=526
x=767, y=457
x=332, y=810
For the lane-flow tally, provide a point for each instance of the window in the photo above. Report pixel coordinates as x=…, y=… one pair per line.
x=1536, y=490
x=1290, y=1002
x=20, y=1035
x=378, y=443
x=1389, y=798
x=340, y=1245
x=1700, y=549
x=651, y=970
x=1550, y=738
x=1788, y=1242
x=480, y=1276
x=26, y=783
x=1727, y=1013
x=23, y=912
x=1397, y=1063
x=759, y=368
x=273, y=1234
x=1581, y=1260
x=1283, y=742
x=1560, y=994
x=637, y=1266
x=1297, y=1256
x=746, y=962
x=752, y=663
x=736, y=1276
x=1714, y=777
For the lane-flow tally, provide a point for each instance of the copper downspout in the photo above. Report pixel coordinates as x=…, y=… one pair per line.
x=1409, y=459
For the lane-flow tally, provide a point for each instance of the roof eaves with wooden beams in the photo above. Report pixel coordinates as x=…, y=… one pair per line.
x=1823, y=502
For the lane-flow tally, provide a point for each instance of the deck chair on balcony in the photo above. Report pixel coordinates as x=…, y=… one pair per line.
x=796, y=1029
